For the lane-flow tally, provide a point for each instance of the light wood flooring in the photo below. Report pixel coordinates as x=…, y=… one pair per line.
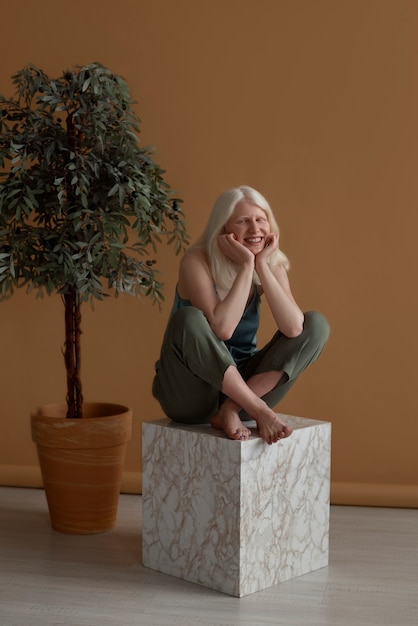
x=47, y=578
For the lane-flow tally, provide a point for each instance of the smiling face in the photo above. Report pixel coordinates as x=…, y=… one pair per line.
x=250, y=226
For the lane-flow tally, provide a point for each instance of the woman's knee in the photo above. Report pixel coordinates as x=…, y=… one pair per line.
x=317, y=327
x=188, y=316
x=187, y=320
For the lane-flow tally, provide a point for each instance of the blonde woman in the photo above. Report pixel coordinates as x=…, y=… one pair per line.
x=210, y=368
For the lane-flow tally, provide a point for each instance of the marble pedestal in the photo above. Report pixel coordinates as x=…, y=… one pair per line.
x=235, y=516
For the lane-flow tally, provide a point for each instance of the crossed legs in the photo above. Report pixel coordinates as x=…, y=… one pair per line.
x=195, y=366
x=264, y=385
x=247, y=395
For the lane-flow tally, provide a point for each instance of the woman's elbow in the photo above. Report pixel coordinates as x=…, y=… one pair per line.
x=295, y=329
x=224, y=335
x=223, y=332
x=293, y=332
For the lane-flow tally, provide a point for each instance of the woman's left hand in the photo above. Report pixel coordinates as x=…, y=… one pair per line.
x=272, y=243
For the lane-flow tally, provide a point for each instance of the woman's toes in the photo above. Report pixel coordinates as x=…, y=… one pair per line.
x=287, y=431
x=244, y=434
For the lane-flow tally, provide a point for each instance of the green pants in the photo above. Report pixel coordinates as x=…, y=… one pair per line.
x=193, y=361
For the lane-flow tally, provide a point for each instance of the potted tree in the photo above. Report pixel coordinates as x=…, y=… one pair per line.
x=81, y=206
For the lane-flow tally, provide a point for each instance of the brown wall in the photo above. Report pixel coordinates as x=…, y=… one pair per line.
x=313, y=102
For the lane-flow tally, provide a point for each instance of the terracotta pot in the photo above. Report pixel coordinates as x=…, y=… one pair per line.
x=82, y=462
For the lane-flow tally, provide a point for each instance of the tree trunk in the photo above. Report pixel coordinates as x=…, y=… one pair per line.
x=72, y=354
x=72, y=321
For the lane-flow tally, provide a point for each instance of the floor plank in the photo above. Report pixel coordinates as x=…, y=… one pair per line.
x=47, y=578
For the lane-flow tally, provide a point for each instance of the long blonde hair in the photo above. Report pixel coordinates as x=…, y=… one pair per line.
x=223, y=270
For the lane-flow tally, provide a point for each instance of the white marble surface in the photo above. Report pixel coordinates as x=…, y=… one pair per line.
x=235, y=516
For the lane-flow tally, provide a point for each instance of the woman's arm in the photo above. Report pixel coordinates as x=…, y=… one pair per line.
x=276, y=288
x=196, y=284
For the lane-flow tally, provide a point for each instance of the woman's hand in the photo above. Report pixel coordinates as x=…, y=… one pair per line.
x=272, y=243
x=234, y=250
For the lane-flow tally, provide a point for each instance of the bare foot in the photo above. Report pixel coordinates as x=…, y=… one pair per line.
x=270, y=427
x=228, y=420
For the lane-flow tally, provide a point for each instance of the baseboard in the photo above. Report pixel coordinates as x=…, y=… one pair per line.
x=349, y=494
x=374, y=494
x=30, y=476
x=20, y=476
x=131, y=482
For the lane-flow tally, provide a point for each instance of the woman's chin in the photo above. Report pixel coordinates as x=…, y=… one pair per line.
x=255, y=249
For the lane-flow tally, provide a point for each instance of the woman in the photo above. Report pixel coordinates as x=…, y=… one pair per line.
x=210, y=369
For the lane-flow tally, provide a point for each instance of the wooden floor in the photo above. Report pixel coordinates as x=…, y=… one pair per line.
x=47, y=578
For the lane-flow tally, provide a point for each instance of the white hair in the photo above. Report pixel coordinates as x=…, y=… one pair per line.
x=223, y=270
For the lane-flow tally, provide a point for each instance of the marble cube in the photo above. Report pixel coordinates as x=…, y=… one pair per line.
x=235, y=516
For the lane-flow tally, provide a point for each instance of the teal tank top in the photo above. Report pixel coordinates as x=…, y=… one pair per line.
x=243, y=342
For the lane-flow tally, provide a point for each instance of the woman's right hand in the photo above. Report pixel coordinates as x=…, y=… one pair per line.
x=234, y=250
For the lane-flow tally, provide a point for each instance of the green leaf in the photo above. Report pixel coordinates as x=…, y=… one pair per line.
x=113, y=190
x=87, y=198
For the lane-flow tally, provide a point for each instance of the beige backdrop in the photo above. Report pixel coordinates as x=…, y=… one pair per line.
x=313, y=102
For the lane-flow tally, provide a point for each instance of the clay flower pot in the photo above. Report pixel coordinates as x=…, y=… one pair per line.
x=82, y=462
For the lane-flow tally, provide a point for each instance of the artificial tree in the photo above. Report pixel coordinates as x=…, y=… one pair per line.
x=81, y=202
